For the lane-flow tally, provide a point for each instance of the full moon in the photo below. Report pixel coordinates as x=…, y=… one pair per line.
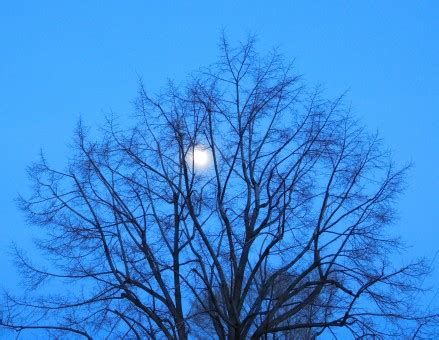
x=201, y=157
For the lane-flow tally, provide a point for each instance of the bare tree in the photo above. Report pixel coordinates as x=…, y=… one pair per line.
x=281, y=232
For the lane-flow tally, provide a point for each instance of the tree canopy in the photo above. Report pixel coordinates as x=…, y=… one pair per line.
x=282, y=231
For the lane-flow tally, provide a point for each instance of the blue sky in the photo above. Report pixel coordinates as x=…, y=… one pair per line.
x=61, y=60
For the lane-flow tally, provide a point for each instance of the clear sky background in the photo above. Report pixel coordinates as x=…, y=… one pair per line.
x=60, y=60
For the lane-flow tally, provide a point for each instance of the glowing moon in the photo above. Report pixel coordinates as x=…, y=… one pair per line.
x=201, y=157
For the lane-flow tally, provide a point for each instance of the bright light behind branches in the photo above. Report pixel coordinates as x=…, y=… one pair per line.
x=200, y=157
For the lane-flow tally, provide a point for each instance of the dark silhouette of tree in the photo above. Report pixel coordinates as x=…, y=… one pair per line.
x=283, y=235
